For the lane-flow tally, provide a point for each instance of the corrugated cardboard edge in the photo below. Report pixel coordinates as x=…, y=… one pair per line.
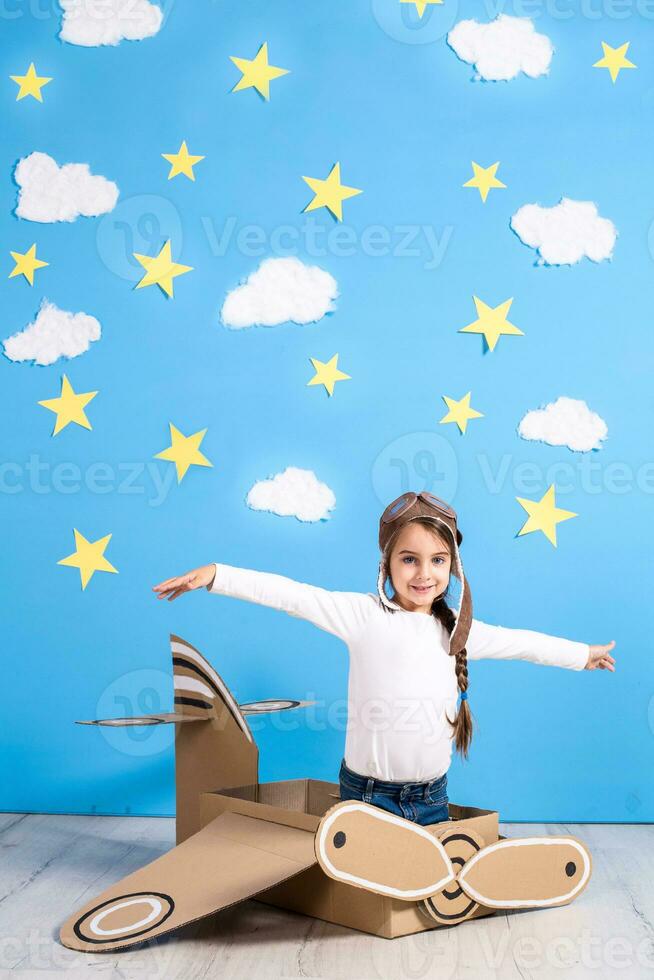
x=312, y=892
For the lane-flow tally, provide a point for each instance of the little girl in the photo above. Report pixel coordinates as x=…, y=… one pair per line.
x=408, y=655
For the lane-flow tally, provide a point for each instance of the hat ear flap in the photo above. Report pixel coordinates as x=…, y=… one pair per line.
x=381, y=581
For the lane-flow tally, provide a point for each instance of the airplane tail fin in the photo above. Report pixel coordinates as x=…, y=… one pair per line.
x=199, y=690
x=219, y=754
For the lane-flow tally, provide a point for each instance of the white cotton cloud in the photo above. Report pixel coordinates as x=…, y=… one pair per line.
x=503, y=48
x=49, y=192
x=54, y=333
x=293, y=493
x=566, y=233
x=565, y=422
x=95, y=22
x=278, y=291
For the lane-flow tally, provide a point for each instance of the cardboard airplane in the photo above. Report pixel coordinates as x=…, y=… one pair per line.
x=290, y=845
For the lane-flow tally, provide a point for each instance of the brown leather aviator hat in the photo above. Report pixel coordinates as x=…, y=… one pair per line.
x=397, y=515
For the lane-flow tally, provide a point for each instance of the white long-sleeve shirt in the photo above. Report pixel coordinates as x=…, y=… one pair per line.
x=402, y=680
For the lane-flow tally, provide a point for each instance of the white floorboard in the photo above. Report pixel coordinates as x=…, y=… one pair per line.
x=50, y=865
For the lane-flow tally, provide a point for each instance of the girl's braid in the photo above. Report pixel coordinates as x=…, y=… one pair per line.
x=462, y=724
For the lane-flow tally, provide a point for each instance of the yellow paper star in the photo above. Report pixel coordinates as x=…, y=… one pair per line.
x=330, y=193
x=160, y=269
x=182, y=162
x=88, y=557
x=30, y=84
x=184, y=451
x=492, y=322
x=460, y=412
x=26, y=264
x=327, y=374
x=69, y=406
x=544, y=515
x=420, y=5
x=257, y=73
x=484, y=178
x=614, y=59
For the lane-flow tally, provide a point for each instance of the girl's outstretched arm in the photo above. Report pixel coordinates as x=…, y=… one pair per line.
x=499, y=642
x=340, y=613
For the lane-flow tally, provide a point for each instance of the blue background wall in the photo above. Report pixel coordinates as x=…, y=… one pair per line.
x=380, y=91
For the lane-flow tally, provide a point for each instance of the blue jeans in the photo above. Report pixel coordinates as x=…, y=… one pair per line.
x=424, y=803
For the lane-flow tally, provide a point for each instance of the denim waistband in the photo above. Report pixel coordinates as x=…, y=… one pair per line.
x=407, y=790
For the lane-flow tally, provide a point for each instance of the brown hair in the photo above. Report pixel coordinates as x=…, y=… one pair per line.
x=462, y=726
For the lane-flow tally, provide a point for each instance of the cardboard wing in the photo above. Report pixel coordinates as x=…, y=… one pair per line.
x=165, y=718
x=231, y=859
x=176, y=718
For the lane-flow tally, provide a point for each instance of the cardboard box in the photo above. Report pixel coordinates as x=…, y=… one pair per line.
x=301, y=803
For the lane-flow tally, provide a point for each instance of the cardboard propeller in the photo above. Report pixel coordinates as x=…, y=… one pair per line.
x=362, y=845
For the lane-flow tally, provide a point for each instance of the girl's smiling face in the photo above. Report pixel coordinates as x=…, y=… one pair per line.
x=419, y=567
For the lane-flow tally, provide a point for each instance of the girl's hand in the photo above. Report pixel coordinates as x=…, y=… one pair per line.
x=599, y=656
x=174, y=587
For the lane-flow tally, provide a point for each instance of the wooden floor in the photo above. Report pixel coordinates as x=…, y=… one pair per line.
x=50, y=865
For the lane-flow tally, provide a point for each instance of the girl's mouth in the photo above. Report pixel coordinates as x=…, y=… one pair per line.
x=423, y=589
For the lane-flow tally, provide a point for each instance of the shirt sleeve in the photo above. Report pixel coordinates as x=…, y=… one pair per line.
x=501, y=643
x=340, y=613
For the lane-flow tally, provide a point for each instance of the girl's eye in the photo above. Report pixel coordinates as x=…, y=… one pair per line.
x=410, y=558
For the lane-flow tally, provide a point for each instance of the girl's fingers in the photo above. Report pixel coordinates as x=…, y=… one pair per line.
x=163, y=585
x=175, y=579
x=172, y=583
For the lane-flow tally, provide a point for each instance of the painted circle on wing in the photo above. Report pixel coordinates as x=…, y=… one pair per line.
x=124, y=917
x=452, y=905
x=132, y=720
x=269, y=705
